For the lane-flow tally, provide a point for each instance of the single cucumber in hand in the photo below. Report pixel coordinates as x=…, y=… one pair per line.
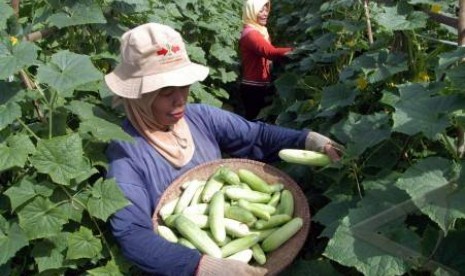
x=304, y=157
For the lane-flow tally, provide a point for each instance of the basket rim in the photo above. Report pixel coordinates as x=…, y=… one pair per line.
x=280, y=258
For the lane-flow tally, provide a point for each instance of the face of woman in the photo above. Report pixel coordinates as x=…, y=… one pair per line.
x=168, y=106
x=262, y=17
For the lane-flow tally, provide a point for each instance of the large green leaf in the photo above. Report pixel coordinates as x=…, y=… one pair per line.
x=432, y=187
x=419, y=110
x=371, y=238
x=61, y=158
x=400, y=17
x=5, y=12
x=110, y=268
x=359, y=132
x=48, y=253
x=103, y=130
x=9, y=113
x=41, y=218
x=26, y=190
x=376, y=66
x=11, y=242
x=130, y=6
x=106, y=198
x=83, y=244
x=15, y=151
x=336, y=96
x=16, y=57
x=78, y=13
x=67, y=71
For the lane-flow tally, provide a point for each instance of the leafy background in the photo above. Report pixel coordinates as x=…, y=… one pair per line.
x=384, y=78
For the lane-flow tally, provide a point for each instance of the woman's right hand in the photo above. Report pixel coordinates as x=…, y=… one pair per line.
x=210, y=266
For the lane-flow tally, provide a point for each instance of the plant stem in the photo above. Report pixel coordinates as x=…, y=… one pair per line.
x=28, y=129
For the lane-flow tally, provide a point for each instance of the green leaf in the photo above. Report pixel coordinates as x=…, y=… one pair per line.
x=103, y=130
x=430, y=185
x=420, y=111
x=11, y=242
x=15, y=151
x=83, y=244
x=286, y=86
x=5, y=12
x=9, y=113
x=78, y=13
x=336, y=96
x=41, y=218
x=47, y=255
x=110, y=269
x=449, y=251
x=360, y=132
x=106, y=198
x=20, y=193
x=61, y=158
x=67, y=71
x=131, y=6
x=400, y=17
x=12, y=60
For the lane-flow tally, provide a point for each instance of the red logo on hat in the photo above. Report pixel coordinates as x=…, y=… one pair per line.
x=162, y=52
x=168, y=50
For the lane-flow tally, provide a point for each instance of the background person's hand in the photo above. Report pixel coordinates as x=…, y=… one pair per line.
x=321, y=143
x=210, y=266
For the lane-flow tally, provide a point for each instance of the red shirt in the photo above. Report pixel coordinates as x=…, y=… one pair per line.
x=256, y=55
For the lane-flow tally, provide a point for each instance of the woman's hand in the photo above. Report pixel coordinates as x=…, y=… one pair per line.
x=321, y=143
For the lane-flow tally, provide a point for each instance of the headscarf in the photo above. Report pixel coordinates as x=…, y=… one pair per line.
x=250, y=10
x=175, y=144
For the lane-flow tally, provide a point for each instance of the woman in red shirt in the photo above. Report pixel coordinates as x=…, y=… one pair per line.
x=256, y=53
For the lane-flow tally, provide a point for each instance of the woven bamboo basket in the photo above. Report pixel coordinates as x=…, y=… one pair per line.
x=281, y=257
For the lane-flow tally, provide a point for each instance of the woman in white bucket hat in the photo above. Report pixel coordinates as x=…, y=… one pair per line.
x=170, y=137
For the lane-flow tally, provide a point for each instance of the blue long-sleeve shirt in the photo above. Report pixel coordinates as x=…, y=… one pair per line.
x=143, y=175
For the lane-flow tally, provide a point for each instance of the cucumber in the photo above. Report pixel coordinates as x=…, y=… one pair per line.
x=286, y=203
x=258, y=254
x=274, y=199
x=282, y=234
x=216, y=217
x=255, y=209
x=186, y=196
x=239, y=244
x=197, y=237
x=274, y=221
x=236, y=228
x=229, y=176
x=244, y=256
x=186, y=243
x=167, y=233
x=198, y=209
x=168, y=208
x=254, y=181
x=304, y=157
x=214, y=184
x=238, y=213
x=235, y=193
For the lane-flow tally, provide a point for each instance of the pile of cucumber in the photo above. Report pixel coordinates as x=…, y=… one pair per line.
x=233, y=214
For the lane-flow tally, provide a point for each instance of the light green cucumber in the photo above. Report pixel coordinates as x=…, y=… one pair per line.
x=304, y=157
x=236, y=193
x=282, y=234
x=254, y=181
x=239, y=244
x=216, y=217
x=197, y=237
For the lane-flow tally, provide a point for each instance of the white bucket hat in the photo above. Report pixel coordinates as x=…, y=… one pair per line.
x=153, y=56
